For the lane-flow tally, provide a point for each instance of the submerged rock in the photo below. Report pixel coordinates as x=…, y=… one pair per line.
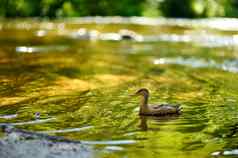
x=130, y=35
x=25, y=144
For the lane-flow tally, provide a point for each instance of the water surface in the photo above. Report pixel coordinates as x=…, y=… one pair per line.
x=78, y=74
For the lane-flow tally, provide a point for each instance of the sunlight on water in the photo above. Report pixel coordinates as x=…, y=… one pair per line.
x=203, y=32
x=8, y=116
x=231, y=66
x=116, y=142
x=69, y=130
x=25, y=49
x=205, y=40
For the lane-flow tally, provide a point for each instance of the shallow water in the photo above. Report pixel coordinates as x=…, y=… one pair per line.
x=78, y=74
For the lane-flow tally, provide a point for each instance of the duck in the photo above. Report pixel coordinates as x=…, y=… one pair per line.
x=155, y=110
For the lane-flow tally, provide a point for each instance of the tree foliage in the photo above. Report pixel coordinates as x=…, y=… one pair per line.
x=72, y=8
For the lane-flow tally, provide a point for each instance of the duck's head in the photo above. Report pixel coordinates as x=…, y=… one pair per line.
x=142, y=92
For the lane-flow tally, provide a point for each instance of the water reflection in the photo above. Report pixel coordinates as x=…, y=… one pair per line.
x=41, y=33
x=143, y=123
x=227, y=65
x=8, y=116
x=197, y=38
x=233, y=152
x=203, y=32
x=37, y=49
x=114, y=148
x=206, y=40
x=69, y=130
x=110, y=142
x=158, y=119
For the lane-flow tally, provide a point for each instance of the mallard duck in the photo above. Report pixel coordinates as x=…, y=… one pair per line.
x=155, y=110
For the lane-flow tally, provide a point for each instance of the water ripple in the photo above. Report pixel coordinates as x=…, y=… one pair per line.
x=227, y=65
x=38, y=121
x=114, y=148
x=199, y=38
x=109, y=142
x=8, y=116
x=215, y=23
x=206, y=40
x=68, y=130
x=36, y=49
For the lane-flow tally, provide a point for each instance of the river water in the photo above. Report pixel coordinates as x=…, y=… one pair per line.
x=74, y=78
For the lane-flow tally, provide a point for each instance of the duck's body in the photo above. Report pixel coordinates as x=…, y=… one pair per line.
x=161, y=110
x=155, y=110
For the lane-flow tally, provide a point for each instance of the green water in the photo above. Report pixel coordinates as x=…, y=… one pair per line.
x=84, y=83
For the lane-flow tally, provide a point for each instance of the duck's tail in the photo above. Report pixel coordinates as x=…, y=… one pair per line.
x=179, y=109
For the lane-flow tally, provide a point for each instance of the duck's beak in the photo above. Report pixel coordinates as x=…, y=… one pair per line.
x=134, y=95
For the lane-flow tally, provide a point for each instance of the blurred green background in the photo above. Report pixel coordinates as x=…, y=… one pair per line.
x=151, y=8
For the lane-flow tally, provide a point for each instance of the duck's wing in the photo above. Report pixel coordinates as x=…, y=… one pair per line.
x=164, y=109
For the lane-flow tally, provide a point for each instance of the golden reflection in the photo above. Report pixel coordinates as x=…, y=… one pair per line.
x=68, y=85
x=11, y=100
x=65, y=83
x=113, y=80
x=190, y=95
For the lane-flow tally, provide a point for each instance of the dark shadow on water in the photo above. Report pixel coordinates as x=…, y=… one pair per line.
x=159, y=119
